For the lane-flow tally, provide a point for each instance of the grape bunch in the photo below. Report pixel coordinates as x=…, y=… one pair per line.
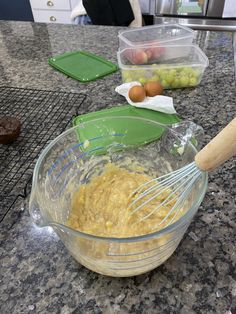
x=168, y=77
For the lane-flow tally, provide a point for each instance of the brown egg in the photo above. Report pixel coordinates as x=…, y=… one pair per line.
x=137, y=93
x=153, y=88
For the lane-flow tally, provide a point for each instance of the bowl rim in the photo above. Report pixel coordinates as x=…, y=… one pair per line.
x=184, y=220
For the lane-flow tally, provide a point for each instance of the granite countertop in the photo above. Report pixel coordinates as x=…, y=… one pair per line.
x=37, y=274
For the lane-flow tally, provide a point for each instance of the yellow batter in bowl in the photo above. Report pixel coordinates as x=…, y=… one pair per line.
x=102, y=206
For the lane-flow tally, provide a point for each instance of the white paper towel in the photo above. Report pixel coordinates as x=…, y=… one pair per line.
x=157, y=103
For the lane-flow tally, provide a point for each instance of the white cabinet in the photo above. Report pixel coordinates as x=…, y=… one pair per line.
x=53, y=11
x=52, y=16
x=51, y=4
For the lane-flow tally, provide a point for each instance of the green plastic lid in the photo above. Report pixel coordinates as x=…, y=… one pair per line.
x=135, y=132
x=82, y=65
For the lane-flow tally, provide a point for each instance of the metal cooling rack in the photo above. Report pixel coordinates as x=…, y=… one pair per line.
x=44, y=115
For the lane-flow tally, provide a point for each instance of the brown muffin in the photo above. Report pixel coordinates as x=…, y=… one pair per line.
x=9, y=129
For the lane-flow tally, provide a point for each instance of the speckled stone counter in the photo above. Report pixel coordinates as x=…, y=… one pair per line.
x=37, y=275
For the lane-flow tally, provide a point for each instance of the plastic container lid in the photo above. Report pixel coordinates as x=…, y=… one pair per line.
x=138, y=134
x=82, y=65
x=161, y=34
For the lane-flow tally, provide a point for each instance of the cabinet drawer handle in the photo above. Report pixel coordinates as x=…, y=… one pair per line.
x=52, y=18
x=50, y=4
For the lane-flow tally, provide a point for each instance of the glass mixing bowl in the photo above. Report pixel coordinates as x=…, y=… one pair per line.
x=81, y=152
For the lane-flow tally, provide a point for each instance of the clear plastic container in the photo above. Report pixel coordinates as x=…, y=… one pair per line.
x=170, y=33
x=66, y=163
x=172, y=66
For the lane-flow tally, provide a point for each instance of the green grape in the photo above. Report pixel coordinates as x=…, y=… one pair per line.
x=193, y=81
x=172, y=72
x=156, y=72
x=184, y=81
x=135, y=75
x=142, y=80
x=187, y=70
x=164, y=84
x=162, y=73
x=128, y=80
x=192, y=72
x=160, y=69
x=179, y=70
x=140, y=72
x=175, y=83
x=169, y=78
x=125, y=74
x=196, y=73
x=154, y=78
x=183, y=73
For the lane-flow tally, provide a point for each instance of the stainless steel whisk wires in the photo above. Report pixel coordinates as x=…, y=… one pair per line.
x=180, y=182
x=172, y=181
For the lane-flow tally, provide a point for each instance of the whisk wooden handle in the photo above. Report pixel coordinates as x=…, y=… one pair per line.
x=221, y=148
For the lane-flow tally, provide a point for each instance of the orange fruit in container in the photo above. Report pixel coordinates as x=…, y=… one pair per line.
x=137, y=93
x=153, y=88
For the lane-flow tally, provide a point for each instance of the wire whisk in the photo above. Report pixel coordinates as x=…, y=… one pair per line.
x=174, y=188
